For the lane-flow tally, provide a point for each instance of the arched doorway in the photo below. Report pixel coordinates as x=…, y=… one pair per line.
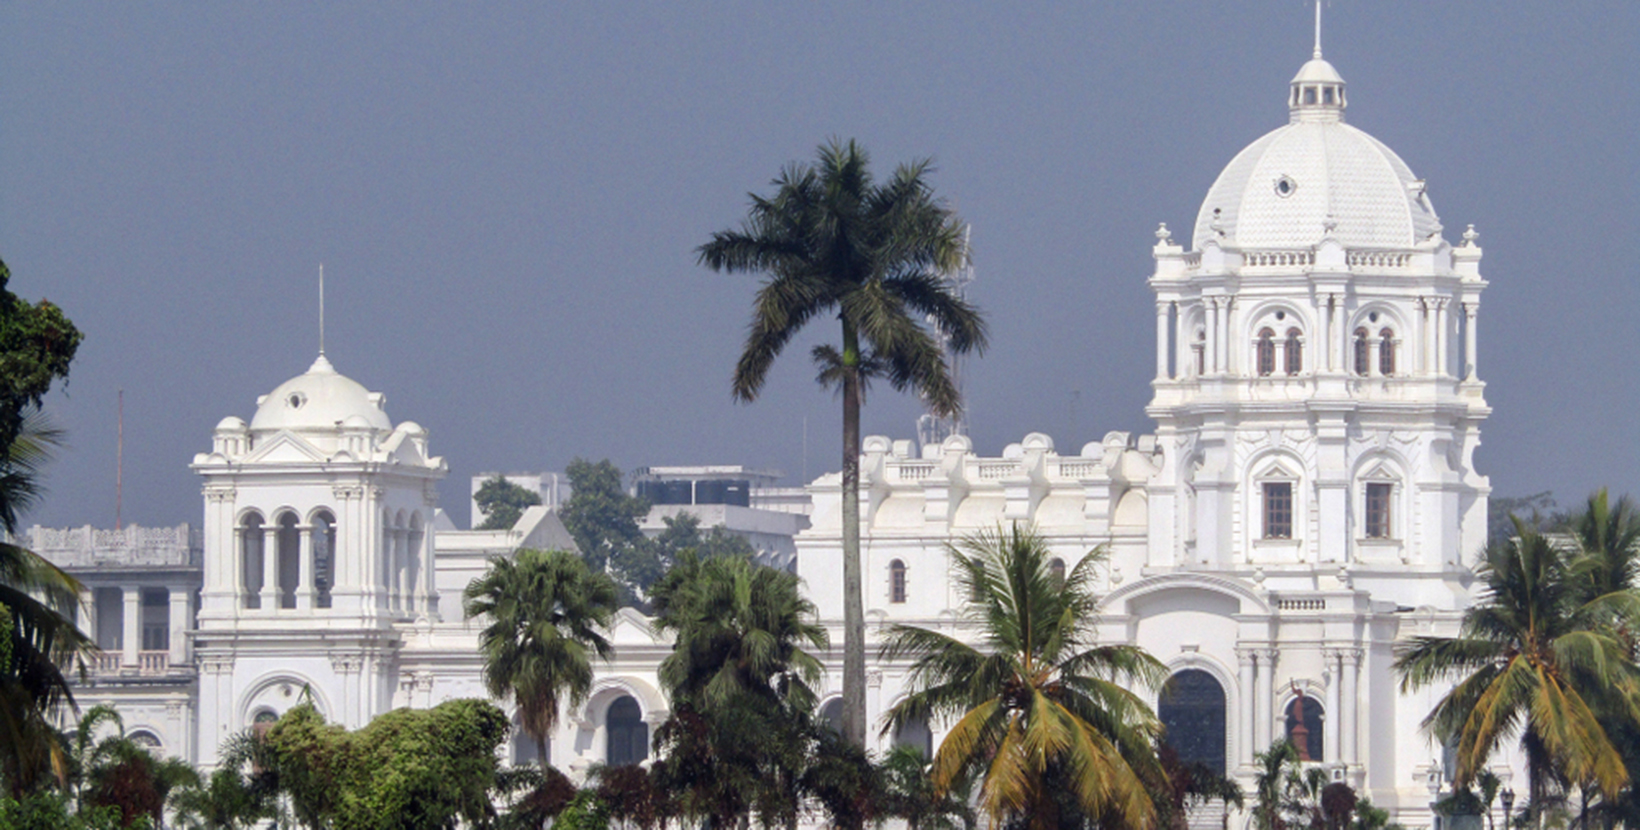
x=1191, y=708
x=628, y=734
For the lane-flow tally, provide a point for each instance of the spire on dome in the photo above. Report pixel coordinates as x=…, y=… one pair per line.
x=1317, y=91
x=1317, y=54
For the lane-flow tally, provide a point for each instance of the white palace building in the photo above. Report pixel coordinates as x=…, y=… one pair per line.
x=1308, y=500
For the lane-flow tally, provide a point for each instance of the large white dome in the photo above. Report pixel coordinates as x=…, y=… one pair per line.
x=321, y=398
x=1288, y=187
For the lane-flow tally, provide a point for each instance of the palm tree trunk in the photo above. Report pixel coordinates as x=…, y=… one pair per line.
x=854, y=646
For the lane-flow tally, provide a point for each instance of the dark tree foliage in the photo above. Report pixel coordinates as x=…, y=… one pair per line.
x=603, y=519
x=502, y=502
x=1539, y=511
x=634, y=798
x=547, y=792
x=37, y=342
x=683, y=534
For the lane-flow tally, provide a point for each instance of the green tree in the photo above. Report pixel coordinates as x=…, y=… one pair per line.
x=1041, y=709
x=739, y=680
x=1536, y=654
x=37, y=342
x=682, y=533
x=603, y=519
x=502, y=502
x=39, y=643
x=543, y=610
x=909, y=793
x=409, y=769
x=830, y=241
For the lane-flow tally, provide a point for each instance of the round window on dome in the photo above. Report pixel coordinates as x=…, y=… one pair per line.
x=295, y=400
x=1285, y=186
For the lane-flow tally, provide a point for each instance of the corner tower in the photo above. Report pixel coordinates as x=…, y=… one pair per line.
x=1316, y=394
x=318, y=552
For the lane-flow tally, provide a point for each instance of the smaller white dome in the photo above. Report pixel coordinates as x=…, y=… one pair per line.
x=1317, y=71
x=232, y=423
x=321, y=398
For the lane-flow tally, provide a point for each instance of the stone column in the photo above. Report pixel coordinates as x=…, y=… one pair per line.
x=1426, y=356
x=1264, y=697
x=131, y=628
x=1469, y=310
x=1224, y=335
x=304, y=568
x=1247, y=662
x=1161, y=340
x=1329, y=750
x=1441, y=362
x=1351, y=659
x=270, y=568
x=179, y=625
x=88, y=614
x=1323, y=333
x=1212, y=345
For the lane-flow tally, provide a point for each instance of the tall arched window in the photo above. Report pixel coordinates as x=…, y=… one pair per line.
x=1386, y=352
x=896, y=581
x=1191, y=709
x=1266, y=353
x=1056, y=570
x=1200, y=348
x=525, y=751
x=831, y=714
x=250, y=560
x=324, y=557
x=290, y=559
x=628, y=734
x=915, y=733
x=1295, y=352
x=1361, y=353
x=1304, y=717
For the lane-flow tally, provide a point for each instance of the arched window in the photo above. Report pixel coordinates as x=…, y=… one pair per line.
x=1056, y=570
x=145, y=739
x=250, y=560
x=1379, y=511
x=1266, y=353
x=831, y=714
x=290, y=559
x=915, y=733
x=1200, y=348
x=1386, y=353
x=262, y=721
x=628, y=734
x=1304, y=727
x=896, y=581
x=1295, y=352
x=1361, y=352
x=324, y=557
x=1191, y=709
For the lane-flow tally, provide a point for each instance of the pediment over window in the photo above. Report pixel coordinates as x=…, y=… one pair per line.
x=1279, y=471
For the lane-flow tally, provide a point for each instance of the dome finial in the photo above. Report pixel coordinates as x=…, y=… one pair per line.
x=1317, y=54
x=321, y=309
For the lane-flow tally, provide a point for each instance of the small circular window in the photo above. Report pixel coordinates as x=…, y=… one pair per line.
x=1285, y=186
x=1281, y=315
x=295, y=400
x=1373, y=316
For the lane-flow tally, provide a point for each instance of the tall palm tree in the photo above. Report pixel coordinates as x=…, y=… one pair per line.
x=1043, y=717
x=1536, y=654
x=39, y=644
x=544, y=611
x=830, y=240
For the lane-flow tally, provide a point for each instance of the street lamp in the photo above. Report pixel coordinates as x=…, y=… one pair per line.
x=1508, y=796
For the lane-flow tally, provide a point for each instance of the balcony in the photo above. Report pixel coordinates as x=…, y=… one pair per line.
x=110, y=665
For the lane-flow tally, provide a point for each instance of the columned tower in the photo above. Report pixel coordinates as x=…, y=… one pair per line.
x=1316, y=392
x=318, y=552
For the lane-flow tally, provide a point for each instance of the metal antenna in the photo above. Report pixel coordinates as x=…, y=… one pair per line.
x=321, y=308
x=119, y=463
x=1318, y=29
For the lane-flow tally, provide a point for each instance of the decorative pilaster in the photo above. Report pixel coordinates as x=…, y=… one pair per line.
x=1162, y=309
x=1329, y=752
x=1264, y=700
x=1350, y=660
x=1470, y=369
x=1247, y=667
x=178, y=622
x=304, y=568
x=131, y=628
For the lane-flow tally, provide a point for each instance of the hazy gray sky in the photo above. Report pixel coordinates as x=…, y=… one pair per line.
x=507, y=197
